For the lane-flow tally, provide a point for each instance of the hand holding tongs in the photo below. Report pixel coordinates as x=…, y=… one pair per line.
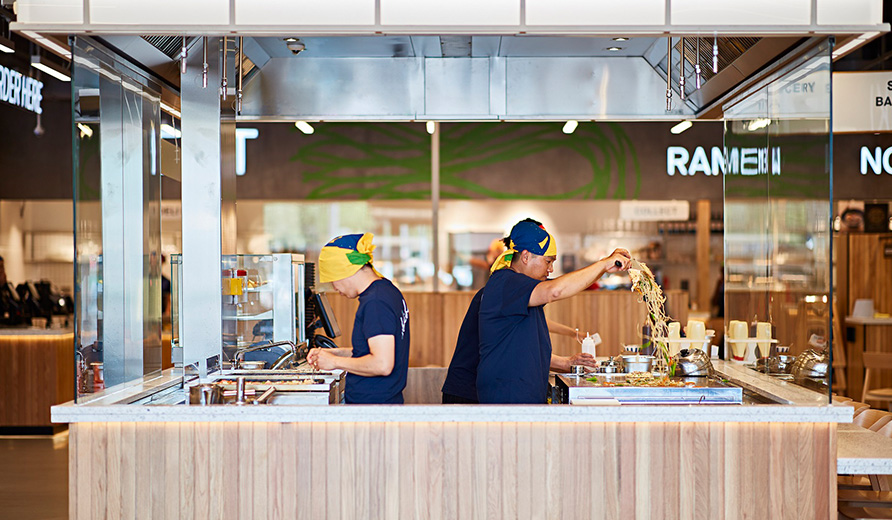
x=633, y=264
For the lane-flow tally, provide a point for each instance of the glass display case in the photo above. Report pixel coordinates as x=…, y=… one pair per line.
x=263, y=302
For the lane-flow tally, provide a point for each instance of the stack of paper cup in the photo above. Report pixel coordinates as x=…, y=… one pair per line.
x=763, y=331
x=674, y=333
x=737, y=334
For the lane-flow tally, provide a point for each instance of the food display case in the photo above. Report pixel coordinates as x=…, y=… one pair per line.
x=263, y=300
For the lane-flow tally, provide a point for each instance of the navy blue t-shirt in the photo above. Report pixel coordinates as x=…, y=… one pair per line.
x=515, y=348
x=461, y=378
x=382, y=310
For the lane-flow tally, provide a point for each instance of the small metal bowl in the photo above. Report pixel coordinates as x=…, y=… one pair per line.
x=578, y=370
x=253, y=365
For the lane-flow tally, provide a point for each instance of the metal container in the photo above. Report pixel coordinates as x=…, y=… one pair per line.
x=205, y=394
x=780, y=364
x=252, y=365
x=608, y=367
x=811, y=363
x=693, y=362
x=578, y=370
x=637, y=363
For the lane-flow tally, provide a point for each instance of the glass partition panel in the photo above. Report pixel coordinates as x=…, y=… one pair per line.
x=116, y=113
x=778, y=193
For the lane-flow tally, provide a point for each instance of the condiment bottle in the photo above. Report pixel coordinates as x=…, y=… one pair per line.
x=588, y=345
x=241, y=286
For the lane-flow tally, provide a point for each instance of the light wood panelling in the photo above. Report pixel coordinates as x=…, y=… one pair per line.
x=793, y=318
x=869, y=270
x=873, y=338
x=454, y=470
x=435, y=319
x=36, y=372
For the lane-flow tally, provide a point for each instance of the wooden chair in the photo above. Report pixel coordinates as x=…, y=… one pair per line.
x=868, y=418
x=839, y=399
x=859, y=407
x=883, y=421
x=873, y=363
x=847, y=512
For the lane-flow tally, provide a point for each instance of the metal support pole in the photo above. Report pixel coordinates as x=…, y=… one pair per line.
x=435, y=201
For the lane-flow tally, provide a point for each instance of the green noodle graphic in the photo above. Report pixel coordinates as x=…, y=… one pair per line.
x=392, y=160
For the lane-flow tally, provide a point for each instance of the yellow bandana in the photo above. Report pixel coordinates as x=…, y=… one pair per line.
x=343, y=256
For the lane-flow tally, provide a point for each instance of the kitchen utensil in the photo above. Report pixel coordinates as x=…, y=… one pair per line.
x=810, y=363
x=693, y=362
x=637, y=363
x=578, y=370
x=253, y=365
x=608, y=367
x=780, y=364
x=205, y=394
x=633, y=264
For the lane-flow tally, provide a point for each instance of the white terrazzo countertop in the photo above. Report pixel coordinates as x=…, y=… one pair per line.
x=801, y=405
x=860, y=451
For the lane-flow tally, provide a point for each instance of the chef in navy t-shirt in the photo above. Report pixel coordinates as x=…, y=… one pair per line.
x=515, y=348
x=378, y=361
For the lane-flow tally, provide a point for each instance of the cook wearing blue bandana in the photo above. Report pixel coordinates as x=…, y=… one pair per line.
x=515, y=349
x=460, y=386
x=378, y=361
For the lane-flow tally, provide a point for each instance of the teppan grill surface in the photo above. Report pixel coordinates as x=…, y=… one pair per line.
x=616, y=389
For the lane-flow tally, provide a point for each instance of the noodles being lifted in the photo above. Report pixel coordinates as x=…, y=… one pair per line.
x=643, y=283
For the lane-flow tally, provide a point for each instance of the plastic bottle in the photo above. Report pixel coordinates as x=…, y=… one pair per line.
x=588, y=345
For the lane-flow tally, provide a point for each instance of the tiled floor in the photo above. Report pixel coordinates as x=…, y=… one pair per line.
x=34, y=477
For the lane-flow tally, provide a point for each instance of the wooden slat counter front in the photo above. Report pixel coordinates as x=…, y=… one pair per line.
x=454, y=461
x=36, y=372
x=435, y=319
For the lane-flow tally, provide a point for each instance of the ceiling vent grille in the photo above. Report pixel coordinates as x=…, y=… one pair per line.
x=169, y=45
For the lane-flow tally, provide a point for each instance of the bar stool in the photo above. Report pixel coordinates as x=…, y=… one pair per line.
x=868, y=418
x=873, y=363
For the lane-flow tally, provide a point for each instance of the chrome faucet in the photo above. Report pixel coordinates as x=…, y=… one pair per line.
x=292, y=356
x=288, y=358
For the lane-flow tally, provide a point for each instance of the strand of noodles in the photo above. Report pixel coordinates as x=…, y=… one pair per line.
x=643, y=283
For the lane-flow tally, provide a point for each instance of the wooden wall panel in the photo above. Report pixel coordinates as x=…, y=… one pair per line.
x=455, y=470
x=869, y=270
x=36, y=372
x=436, y=318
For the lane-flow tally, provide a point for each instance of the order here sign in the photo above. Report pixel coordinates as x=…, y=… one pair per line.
x=20, y=90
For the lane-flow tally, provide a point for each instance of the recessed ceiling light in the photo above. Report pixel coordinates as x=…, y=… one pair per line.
x=304, y=127
x=681, y=127
x=621, y=39
x=614, y=49
x=570, y=127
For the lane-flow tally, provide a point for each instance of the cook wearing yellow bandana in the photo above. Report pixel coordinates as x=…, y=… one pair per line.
x=377, y=362
x=514, y=343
